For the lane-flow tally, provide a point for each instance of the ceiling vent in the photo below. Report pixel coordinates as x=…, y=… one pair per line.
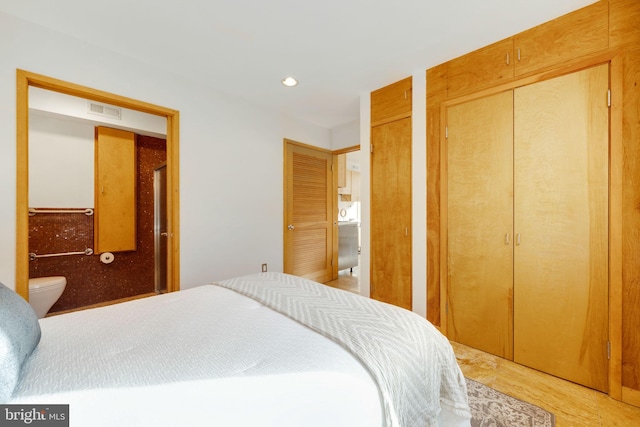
x=105, y=110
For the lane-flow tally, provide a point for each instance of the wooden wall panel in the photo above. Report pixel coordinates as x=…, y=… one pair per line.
x=437, y=84
x=631, y=222
x=433, y=215
x=436, y=94
x=624, y=23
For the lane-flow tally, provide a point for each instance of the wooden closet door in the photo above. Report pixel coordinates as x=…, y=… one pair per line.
x=561, y=220
x=480, y=223
x=391, y=213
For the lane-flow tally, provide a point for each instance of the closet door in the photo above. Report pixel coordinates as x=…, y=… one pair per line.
x=480, y=223
x=391, y=213
x=561, y=221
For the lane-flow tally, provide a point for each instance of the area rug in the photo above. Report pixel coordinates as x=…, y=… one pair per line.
x=490, y=408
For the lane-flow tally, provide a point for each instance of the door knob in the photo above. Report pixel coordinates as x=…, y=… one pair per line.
x=290, y=227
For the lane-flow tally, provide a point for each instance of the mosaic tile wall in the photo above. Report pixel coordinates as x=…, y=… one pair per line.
x=88, y=280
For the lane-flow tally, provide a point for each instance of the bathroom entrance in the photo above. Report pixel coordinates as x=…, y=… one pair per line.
x=122, y=271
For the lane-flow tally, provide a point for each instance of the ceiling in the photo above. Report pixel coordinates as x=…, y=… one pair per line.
x=337, y=49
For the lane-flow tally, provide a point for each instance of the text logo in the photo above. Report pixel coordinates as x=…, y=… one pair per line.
x=34, y=415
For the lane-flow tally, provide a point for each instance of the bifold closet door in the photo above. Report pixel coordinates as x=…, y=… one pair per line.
x=480, y=223
x=561, y=224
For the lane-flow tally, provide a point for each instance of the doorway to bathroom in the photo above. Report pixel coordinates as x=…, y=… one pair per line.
x=153, y=145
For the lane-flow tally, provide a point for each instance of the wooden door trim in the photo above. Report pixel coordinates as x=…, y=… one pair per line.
x=25, y=79
x=616, y=153
x=616, y=156
x=336, y=236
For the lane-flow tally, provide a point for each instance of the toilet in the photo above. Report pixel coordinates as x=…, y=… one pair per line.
x=44, y=292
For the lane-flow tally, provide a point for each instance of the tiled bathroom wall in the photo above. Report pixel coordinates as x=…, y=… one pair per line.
x=89, y=281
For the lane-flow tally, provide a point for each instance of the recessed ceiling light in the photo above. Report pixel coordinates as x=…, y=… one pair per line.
x=289, y=81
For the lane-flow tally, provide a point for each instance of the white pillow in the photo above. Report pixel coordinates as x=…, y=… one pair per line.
x=19, y=336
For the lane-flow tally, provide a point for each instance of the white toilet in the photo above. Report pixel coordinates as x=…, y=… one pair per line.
x=44, y=292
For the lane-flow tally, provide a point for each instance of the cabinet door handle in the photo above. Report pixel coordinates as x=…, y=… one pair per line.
x=518, y=239
x=507, y=239
x=507, y=58
x=518, y=54
x=290, y=227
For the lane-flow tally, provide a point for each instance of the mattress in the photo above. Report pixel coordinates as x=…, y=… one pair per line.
x=203, y=356
x=261, y=350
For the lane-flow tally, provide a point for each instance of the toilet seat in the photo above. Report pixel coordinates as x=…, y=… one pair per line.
x=40, y=284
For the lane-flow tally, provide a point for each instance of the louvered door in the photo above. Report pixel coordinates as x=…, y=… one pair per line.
x=308, y=226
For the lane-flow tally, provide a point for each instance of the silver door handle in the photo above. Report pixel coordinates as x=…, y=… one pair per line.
x=507, y=239
x=290, y=227
x=165, y=234
x=518, y=239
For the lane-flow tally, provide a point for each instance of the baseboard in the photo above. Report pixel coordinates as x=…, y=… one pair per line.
x=631, y=396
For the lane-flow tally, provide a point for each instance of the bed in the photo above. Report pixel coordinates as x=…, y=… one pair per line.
x=261, y=350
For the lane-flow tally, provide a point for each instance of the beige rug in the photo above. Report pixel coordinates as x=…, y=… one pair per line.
x=490, y=408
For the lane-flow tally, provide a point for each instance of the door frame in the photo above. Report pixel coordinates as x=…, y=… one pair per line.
x=336, y=242
x=616, y=156
x=25, y=79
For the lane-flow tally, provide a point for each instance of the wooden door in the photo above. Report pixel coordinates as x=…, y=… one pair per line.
x=480, y=223
x=561, y=221
x=115, y=190
x=309, y=212
x=391, y=213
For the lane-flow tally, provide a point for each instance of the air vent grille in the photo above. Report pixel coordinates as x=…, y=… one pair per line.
x=105, y=110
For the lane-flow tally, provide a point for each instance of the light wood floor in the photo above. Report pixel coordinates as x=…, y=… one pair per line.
x=572, y=404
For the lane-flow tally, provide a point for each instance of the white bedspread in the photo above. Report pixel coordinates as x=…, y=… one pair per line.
x=203, y=356
x=413, y=364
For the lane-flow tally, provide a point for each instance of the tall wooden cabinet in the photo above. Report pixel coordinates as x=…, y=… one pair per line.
x=603, y=33
x=391, y=266
x=527, y=225
x=115, y=221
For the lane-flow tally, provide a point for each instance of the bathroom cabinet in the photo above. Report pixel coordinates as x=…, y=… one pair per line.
x=115, y=190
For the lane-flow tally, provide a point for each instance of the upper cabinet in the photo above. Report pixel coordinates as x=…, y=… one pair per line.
x=571, y=36
x=481, y=69
x=115, y=190
x=391, y=102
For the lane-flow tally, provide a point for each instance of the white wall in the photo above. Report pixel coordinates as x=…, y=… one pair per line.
x=61, y=162
x=346, y=135
x=231, y=152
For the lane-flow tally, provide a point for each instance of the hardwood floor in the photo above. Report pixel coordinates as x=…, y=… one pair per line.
x=347, y=280
x=572, y=404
